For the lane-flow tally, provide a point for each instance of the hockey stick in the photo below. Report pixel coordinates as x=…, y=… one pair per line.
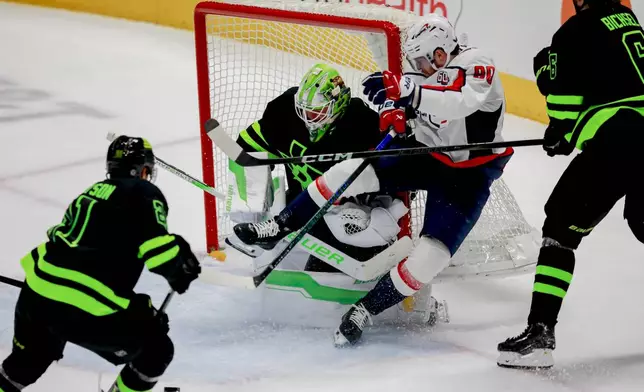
x=255, y=281
x=11, y=281
x=362, y=270
x=180, y=173
x=166, y=301
x=234, y=151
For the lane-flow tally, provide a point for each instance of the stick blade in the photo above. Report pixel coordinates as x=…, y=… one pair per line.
x=221, y=140
x=219, y=277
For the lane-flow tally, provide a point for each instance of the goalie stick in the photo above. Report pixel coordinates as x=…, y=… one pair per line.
x=252, y=282
x=180, y=173
x=363, y=270
x=234, y=151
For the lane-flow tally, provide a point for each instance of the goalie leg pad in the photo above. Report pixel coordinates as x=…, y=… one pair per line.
x=327, y=184
x=364, y=227
x=428, y=259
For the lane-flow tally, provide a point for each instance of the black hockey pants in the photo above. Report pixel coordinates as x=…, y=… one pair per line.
x=609, y=168
x=42, y=328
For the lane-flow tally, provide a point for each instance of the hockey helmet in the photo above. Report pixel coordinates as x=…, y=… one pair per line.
x=128, y=156
x=321, y=99
x=423, y=38
x=593, y=2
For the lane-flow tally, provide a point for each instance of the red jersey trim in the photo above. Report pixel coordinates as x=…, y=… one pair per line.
x=474, y=162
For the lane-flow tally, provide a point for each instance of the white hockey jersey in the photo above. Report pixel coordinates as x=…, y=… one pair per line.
x=461, y=103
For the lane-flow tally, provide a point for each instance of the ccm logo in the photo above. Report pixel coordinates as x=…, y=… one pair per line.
x=328, y=157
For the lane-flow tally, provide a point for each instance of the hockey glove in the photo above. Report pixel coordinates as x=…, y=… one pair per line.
x=554, y=142
x=181, y=271
x=381, y=86
x=392, y=117
x=146, y=317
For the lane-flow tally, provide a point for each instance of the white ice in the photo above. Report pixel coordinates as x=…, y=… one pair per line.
x=67, y=79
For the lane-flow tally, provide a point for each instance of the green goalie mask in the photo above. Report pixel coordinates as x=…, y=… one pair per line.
x=321, y=99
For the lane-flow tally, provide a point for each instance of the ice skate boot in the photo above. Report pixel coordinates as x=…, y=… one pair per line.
x=253, y=238
x=530, y=350
x=353, y=322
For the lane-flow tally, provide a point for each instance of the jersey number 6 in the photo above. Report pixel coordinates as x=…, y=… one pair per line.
x=482, y=72
x=634, y=42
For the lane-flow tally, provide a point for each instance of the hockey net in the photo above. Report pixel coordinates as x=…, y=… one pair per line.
x=251, y=51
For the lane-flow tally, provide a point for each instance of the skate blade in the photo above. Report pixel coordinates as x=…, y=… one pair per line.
x=339, y=341
x=248, y=250
x=537, y=359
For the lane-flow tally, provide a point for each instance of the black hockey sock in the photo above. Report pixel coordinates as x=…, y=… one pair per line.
x=298, y=212
x=383, y=296
x=553, y=276
x=145, y=370
x=131, y=380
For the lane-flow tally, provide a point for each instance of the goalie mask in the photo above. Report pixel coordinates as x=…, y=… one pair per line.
x=130, y=157
x=424, y=38
x=321, y=99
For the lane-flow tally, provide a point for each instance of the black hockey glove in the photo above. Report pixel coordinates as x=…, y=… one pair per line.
x=146, y=317
x=186, y=267
x=554, y=142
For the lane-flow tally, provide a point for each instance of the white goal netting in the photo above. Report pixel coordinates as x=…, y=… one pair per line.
x=259, y=52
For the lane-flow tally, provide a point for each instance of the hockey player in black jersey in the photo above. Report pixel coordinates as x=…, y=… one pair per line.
x=317, y=117
x=79, y=284
x=602, y=114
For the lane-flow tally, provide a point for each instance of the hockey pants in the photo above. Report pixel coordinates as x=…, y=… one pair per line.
x=608, y=169
x=42, y=328
x=455, y=195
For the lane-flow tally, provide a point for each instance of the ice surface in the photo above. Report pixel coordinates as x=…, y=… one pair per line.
x=67, y=79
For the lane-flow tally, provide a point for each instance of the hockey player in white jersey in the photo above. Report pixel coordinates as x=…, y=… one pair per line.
x=452, y=97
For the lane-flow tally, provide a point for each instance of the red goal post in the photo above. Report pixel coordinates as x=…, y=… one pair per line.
x=250, y=51
x=222, y=9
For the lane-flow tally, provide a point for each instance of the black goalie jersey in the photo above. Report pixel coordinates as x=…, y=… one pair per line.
x=282, y=133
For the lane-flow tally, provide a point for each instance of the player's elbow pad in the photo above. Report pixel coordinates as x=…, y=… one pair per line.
x=162, y=254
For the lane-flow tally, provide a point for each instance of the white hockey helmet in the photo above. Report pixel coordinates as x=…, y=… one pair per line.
x=424, y=37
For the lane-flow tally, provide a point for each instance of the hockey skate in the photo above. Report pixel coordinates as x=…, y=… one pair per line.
x=424, y=308
x=438, y=312
x=253, y=238
x=530, y=350
x=353, y=322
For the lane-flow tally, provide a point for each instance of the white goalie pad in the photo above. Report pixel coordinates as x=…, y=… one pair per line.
x=249, y=194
